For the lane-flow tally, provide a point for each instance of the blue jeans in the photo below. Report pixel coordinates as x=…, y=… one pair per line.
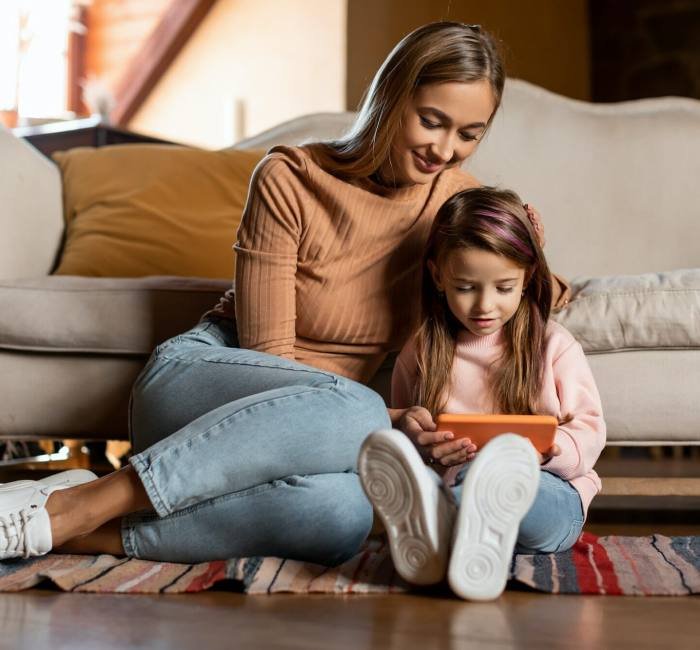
x=554, y=521
x=244, y=453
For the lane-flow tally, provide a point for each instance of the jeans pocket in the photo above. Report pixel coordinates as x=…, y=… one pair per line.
x=570, y=539
x=158, y=350
x=225, y=331
x=204, y=333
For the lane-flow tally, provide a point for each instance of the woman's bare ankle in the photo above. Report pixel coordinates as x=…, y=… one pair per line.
x=106, y=539
x=82, y=509
x=68, y=516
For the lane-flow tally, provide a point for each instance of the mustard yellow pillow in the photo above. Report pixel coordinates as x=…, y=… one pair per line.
x=135, y=210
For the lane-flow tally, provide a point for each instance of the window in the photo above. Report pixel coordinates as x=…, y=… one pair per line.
x=33, y=55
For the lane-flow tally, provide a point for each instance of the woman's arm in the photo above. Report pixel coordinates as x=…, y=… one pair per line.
x=266, y=260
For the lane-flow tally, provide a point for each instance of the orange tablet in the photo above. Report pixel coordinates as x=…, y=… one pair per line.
x=480, y=428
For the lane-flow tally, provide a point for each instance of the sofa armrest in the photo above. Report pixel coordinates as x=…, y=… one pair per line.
x=31, y=210
x=307, y=128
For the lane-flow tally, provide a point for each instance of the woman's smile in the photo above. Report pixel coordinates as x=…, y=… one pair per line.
x=425, y=166
x=440, y=125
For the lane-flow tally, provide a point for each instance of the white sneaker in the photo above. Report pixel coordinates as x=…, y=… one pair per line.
x=25, y=529
x=409, y=498
x=497, y=493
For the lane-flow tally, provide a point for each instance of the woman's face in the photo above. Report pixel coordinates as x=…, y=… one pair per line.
x=440, y=127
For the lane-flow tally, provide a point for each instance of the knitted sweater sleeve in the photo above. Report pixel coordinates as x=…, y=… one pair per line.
x=582, y=438
x=266, y=263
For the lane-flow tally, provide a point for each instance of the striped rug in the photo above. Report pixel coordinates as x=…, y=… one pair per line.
x=636, y=566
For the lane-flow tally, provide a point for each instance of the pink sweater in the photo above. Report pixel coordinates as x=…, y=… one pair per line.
x=568, y=388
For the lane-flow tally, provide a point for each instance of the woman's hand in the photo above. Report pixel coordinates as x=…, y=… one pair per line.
x=436, y=447
x=536, y=221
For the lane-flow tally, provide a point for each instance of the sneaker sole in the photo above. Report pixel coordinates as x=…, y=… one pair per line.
x=497, y=493
x=389, y=468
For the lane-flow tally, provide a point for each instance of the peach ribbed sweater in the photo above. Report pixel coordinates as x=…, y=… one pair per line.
x=328, y=272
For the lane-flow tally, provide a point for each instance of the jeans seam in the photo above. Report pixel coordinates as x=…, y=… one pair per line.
x=247, y=409
x=144, y=471
x=256, y=489
x=128, y=541
x=185, y=359
x=160, y=507
x=567, y=537
x=178, y=338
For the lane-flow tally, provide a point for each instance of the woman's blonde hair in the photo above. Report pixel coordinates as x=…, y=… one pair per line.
x=439, y=52
x=493, y=220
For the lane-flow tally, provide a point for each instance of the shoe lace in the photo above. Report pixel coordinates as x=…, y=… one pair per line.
x=14, y=533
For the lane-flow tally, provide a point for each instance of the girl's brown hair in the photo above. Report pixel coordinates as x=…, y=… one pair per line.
x=439, y=52
x=493, y=220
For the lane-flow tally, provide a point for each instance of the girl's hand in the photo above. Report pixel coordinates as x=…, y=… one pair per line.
x=436, y=447
x=554, y=450
x=536, y=221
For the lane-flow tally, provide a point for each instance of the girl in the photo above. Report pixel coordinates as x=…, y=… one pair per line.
x=247, y=428
x=484, y=345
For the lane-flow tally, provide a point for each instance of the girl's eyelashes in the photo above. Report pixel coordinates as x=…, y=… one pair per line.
x=466, y=289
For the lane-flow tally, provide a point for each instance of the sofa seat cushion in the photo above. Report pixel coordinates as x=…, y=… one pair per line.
x=631, y=312
x=66, y=395
x=112, y=316
x=649, y=396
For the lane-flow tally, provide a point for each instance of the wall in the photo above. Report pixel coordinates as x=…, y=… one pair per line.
x=116, y=31
x=547, y=40
x=645, y=48
x=250, y=65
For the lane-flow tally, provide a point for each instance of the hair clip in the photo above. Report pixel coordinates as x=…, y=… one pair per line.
x=476, y=28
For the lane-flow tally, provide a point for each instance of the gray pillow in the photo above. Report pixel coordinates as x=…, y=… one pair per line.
x=624, y=312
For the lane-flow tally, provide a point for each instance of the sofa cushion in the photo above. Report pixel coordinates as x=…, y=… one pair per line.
x=65, y=314
x=66, y=395
x=649, y=396
x=625, y=312
x=31, y=221
x=136, y=210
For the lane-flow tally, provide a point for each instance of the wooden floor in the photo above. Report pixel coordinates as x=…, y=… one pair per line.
x=40, y=619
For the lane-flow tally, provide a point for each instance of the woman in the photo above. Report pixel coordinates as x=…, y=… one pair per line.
x=247, y=437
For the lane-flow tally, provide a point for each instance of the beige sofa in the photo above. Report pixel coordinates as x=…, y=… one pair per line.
x=618, y=189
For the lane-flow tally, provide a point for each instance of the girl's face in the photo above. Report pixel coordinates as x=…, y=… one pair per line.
x=483, y=290
x=440, y=127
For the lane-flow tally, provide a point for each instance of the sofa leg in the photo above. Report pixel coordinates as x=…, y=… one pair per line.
x=117, y=450
x=77, y=458
x=73, y=454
